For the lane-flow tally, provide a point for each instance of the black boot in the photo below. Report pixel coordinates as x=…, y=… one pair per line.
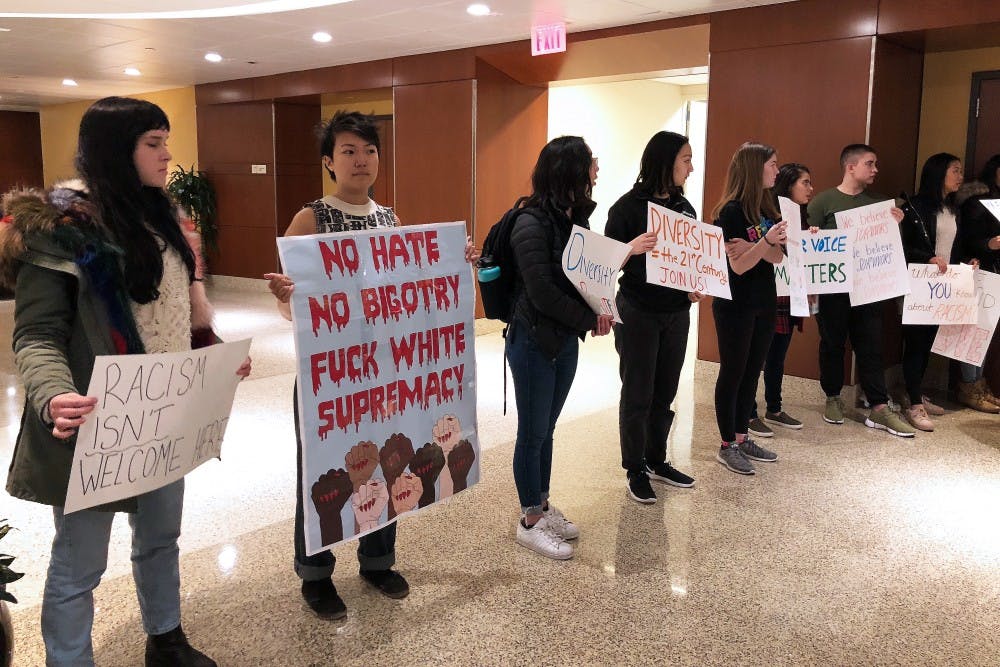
x=171, y=649
x=321, y=596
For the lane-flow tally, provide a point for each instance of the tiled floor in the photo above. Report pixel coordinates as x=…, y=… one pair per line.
x=856, y=548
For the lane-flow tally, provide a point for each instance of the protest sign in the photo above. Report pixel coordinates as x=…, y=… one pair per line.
x=592, y=261
x=970, y=342
x=689, y=255
x=941, y=298
x=879, y=265
x=788, y=274
x=828, y=261
x=993, y=206
x=384, y=341
x=157, y=418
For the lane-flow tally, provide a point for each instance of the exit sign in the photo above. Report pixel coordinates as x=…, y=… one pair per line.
x=548, y=39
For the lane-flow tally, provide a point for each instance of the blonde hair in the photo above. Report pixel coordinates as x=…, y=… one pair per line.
x=745, y=183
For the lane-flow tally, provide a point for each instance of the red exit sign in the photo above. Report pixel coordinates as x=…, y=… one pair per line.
x=548, y=39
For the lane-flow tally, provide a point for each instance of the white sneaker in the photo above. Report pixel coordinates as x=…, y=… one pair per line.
x=560, y=524
x=542, y=539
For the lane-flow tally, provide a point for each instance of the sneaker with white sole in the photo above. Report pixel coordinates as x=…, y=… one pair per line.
x=752, y=450
x=666, y=473
x=834, y=412
x=917, y=416
x=887, y=420
x=543, y=540
x=759, y=428
x=782, y=419
x=731, y=457
x=639, y=488
x=559, y=523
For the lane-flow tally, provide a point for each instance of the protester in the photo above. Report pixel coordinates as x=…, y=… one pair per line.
x=838, y=320
x=101, y=267
x=652, y=338
x=744, y=325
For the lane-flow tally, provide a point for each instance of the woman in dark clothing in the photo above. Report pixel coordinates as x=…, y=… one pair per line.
x=549, y=317
x=652, y=338
x=744, y=325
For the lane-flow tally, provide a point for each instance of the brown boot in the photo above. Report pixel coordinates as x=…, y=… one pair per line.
x=987, y=392
x=970, y=395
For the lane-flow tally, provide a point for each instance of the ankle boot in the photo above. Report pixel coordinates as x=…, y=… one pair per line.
x=970, y=394
x=987, y=393
x=171, y=649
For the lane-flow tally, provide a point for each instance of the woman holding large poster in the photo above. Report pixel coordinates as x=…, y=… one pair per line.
x=744, y=326
x=101, y=267
x=549, y=315
x=652, y=337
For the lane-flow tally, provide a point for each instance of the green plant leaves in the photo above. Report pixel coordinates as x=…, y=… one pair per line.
x=194, y=192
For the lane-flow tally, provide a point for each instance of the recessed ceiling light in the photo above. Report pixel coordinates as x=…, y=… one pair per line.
x=69, y=82
x=132, y=71
x=213, y=57
x=4, y=29
x=322, y=37
x=478, y=9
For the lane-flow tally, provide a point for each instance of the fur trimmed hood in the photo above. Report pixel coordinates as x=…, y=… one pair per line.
x=970, y=190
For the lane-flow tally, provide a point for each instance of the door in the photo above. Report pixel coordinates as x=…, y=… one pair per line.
x=984, y=121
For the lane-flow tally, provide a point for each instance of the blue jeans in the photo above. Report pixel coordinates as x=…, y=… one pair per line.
x=80, y=556
x=970, y=373
x=541, y=385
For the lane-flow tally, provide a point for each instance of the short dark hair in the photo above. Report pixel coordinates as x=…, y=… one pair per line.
x=787, y=176
x=561, y=179
x=853, y=151
x=354, y=122
x=656, y=168
x=932, y=180
x=988, y=175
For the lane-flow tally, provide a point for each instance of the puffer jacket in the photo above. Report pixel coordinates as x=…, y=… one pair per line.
x=978, y=226
x=546, y=301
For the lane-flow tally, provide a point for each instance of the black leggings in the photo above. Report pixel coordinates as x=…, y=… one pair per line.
x=918, y=339
x=744, y=337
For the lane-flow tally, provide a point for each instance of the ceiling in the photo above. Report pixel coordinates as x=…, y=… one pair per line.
x=36, y=54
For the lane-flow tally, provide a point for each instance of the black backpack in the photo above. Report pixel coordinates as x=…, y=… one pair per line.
x=496, y=269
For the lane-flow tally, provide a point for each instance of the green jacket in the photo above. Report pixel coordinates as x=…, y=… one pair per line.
x=51, y=251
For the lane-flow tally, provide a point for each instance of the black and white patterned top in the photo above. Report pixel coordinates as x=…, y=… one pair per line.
x=336, y=215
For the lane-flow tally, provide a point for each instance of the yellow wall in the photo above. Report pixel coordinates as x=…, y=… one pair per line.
x=60, y=124
x=944, y=110
x=376, y=102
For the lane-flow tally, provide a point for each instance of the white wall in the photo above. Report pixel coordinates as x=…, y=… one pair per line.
x=616, y=120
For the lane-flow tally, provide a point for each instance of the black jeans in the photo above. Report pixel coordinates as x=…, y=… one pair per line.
x=774, y=373
x=376, y=550
x=744, y=335
x=918, y=339
x=651, y=350
x=837, y=320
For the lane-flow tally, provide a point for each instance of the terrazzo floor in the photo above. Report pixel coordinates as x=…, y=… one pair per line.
x=855, y=548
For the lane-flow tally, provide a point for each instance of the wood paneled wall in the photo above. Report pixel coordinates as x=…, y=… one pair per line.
x=296, y=178
x=21, y=157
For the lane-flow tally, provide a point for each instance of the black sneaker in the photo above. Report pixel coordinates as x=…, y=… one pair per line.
x=639, y=489
x=666, y=473
x=171, y=649
x=388, y=582
x=321, y=596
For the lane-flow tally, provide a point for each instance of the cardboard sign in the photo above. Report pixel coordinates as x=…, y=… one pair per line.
x=879, y=264
x=970, y=342
x=689, y=255
x=941, y=298
x=384, y=344
x=592, y=261
x=158, y=417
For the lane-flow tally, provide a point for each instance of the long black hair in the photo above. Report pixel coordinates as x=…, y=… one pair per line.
x=561, y=179
x=139, y=217
x=988, y=175
x=932, y=181
x=787, y=176
x=656, y=168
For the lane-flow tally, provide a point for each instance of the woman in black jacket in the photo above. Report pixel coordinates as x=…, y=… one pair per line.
x=652, y=338
x=549, y=317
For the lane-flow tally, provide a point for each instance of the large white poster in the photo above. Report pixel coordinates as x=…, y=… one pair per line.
x=385, y=353
x=592, y=261
x=970, y=342
x=879, y=264
x=788, y=275
x=157, y=418
x=993, y=206
x=941, y=298
x=689, y=255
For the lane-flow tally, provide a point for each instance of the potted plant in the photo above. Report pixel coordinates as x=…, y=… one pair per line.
x=7, y=576
x=192, y=191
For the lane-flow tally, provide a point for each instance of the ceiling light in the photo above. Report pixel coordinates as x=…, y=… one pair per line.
x=132, y=71
x=69, y=82
x=322, y=37
x=4, y=29
x=213, y=57
x=478, y=10
x=215, y=9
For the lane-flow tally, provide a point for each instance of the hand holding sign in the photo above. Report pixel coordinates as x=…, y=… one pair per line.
x=68, y=412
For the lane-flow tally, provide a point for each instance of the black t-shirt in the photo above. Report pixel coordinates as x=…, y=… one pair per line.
x=755, y=288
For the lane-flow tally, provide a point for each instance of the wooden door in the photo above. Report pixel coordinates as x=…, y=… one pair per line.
x=984, y=121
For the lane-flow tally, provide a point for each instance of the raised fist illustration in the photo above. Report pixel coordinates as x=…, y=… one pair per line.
x=361, y=460
x=329, y=495
x=446, y=432
x=426, y=464
x=406, y=491
x=459, y=463
x=369, y=501
x=394, y=457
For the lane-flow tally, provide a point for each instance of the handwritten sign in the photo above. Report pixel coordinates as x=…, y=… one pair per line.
x=993, y=206
x=828, y=261
x=788, y=274
x=879, y=265
x=383, y=324
x=158, y=417
x=970, y=342
x=941, y=298
x=592, y=261
x=689, y=255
